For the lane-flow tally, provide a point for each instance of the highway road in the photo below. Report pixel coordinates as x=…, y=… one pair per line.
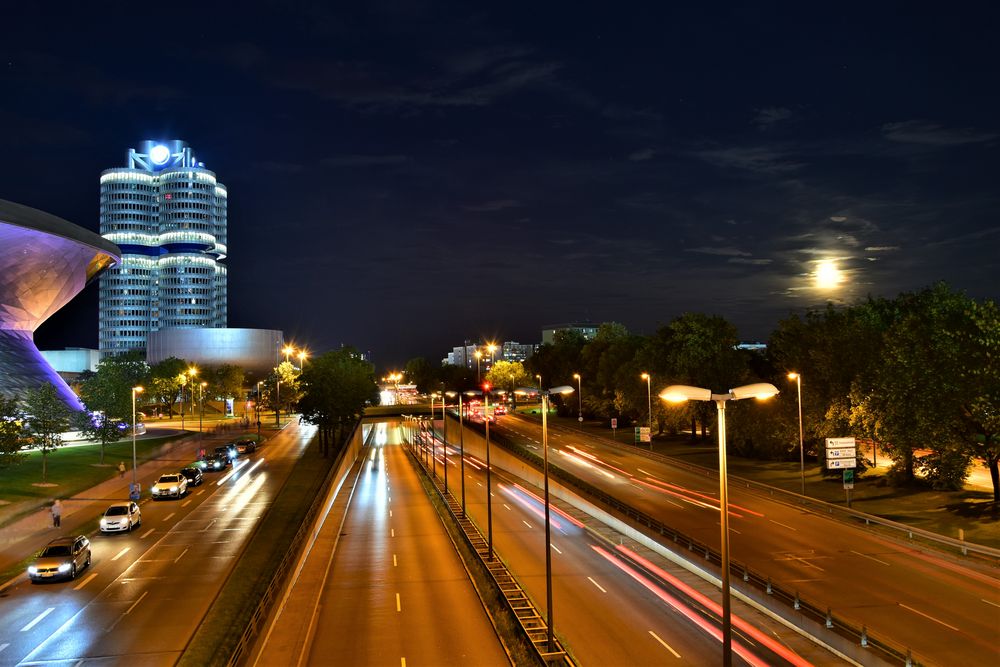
x=611, y=605
x=946, y=612
x=147, y=591
x=397, y=593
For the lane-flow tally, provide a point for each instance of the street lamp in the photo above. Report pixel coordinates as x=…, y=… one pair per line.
x=802, y=452
x=479, y=356
x=649, y=407
x=302, y=359
x=489, y=486
x=193, y=372
x=201, y=404
x=444, y=437
x=679, y=393
x=492, y=348
x=579, y=395
x=433, y=441
x=277, y=402
x=135, y=390
x=548, y=528
x=287, y=350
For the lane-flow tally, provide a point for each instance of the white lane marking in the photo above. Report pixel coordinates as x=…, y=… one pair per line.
x=526, y=523
x=950, y=627
x=858, y=553
x=38, y=619
x=167, y=518
x=199, y=492
x=186, y=502
x=399, y=605
x=85, y=582
x=181, y=556
x=480, y=484
x=556, y=548
x=507, y=506
x=599, y=587
x=129, y=610
x=392, y=532
x=210, y=524
x=646, y=473
x=988, y=602
x=146, y=534
x=402, y=662
x=120, y=554
x=783, y=525
x=665, y=644
x=390, y=514
x=394, y=564
x=3, y=646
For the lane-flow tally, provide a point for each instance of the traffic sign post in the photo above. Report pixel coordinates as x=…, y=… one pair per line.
x=642, y=435
x=614, y=428
x=842, y=454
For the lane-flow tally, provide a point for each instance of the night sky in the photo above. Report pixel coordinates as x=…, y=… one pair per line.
x=404, y=176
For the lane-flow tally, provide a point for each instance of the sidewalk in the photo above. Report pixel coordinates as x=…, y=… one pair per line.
x=26, y=536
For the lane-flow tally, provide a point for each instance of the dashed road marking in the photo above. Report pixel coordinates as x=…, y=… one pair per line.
x=85, y=582
x=665, y=644
x=399, y=605
x=599, y=587
x=38, y=619
x=121, y=553
x=146, y=534
x=858, y=553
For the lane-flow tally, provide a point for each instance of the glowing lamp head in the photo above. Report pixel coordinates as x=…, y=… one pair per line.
x=159, y=154
x=486, y=386
x=793, y=376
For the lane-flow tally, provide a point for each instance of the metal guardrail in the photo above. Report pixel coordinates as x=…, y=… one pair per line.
x=532, y=624
x=264, y=606
x=753, y=581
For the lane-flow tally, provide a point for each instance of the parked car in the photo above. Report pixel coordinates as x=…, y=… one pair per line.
x=229, y=450
x=194, y=476
x=246, y=446
x=121, y=517
x=62, y=558
x=174, y=484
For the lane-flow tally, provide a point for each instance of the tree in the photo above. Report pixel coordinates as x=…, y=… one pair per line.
x=509, y=375
x=12, y=436
x=165, y=381
x=423, y=374
x=281, y=388
x=47, y=416
x=336, y=387
x=108, y=392
x=226, y=381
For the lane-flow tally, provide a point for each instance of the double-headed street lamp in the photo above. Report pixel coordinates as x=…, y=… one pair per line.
x=548, y=527
x=135, y=390
x=678, y=393
x=802, y=451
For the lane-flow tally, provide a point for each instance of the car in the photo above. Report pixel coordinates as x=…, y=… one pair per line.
x=500, y=410
x=246, y=446
x=215, y=462
x=173, y=484
x=194, y=476
x=229, y=450
x=62, y=558
x=121, y=517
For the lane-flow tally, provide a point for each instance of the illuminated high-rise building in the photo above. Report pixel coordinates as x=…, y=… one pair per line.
x=168, y=214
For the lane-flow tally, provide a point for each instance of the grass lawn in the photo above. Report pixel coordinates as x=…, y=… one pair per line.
x=70, y=470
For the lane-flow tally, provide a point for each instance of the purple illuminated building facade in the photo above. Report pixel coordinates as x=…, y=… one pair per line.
x=44, y=262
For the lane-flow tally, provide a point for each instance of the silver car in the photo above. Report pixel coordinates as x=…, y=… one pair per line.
x=121, y=517
x=174, y=484
x=61, y=559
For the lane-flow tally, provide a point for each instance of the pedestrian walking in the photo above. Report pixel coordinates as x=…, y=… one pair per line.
x=121, y=470
x=56, y=514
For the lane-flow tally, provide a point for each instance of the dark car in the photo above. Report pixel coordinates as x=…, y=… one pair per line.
x=194, y=476
x=61, y=559
x=216, y=462
x=229, y=450
x=246, y=446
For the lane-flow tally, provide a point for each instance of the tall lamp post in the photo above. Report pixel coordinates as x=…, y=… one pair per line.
x=479, y=357
x=201, y=405
x=287, y=350
x=193, y=373
x=277, y=402
x=183, y=384
x=489, y=485
x=579, y=395
x=649, y=406
x=433, y=441
x=492, y=348
x=548, y=524
x=678, y=393
x=444, y=436
x=302, y=359
x=135, y=390
x=802, y=451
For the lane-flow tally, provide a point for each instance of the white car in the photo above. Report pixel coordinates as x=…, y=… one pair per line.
x=174, y=484
x=121, y=517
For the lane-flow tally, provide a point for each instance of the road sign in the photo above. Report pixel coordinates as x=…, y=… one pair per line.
x=841, y=454
x=841, y=464
x=849, y=479
x=642, y=434
x=614, y=422
x=839, y=442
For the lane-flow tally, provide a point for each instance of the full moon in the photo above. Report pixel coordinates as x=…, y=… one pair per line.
x=828, y=275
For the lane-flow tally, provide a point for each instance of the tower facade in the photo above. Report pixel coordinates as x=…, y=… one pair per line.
x=168, y=214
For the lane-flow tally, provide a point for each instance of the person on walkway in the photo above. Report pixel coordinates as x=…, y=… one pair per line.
x=56, y=513
x=121, y=470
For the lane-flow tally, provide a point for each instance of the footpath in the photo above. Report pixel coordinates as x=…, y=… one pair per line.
x=22, y=538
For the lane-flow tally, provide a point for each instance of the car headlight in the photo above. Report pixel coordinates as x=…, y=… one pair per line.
x=32, y=569
x=104, y=523
x=173, y=489
x=64, y=567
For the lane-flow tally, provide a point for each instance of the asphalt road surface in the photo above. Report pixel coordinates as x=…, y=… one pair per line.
x=147, y=591
x=945, y=611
